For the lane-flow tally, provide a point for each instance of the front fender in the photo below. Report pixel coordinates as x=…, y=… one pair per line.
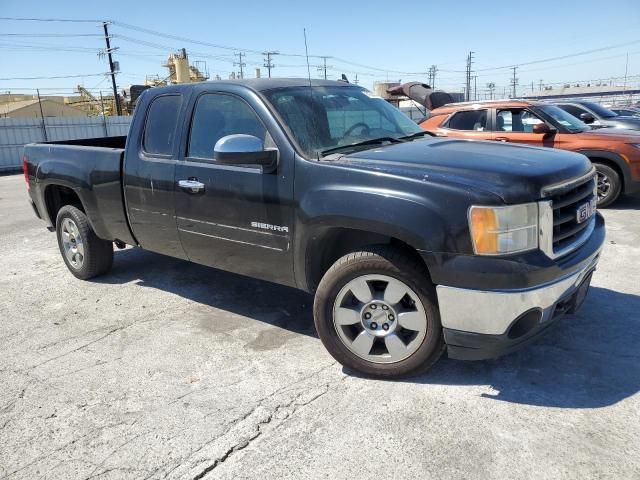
x=414, y=220
x=615, y=158
x=401, y=215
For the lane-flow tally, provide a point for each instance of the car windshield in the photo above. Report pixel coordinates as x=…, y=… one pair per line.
x=565, y=119
x=600, y=110
x=325, y=119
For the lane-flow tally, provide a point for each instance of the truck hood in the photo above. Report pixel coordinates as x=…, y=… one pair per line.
x=609, y=134
x=632, y=123
x=515, y=173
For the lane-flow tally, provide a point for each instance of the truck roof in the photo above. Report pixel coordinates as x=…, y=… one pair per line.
x=261, y=84
x=504, y=103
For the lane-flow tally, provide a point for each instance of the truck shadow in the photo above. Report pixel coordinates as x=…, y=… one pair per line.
x=626, y=202
x=276, y=305
x=589, y=360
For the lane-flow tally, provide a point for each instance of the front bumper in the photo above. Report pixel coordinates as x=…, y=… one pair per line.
x=481, y=324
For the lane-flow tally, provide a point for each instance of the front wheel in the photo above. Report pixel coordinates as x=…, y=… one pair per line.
x=85, y=254
x=376, y=312
x=609, y=184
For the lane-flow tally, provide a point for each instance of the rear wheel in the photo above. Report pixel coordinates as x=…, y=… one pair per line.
x=376, y=312
x=85, y=255
x=609, y=184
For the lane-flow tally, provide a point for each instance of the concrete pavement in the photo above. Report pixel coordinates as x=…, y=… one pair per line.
x=165, y=369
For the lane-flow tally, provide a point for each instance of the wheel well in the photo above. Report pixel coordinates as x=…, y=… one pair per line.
x=56, y=197
x=324, y=249
x=611, y=164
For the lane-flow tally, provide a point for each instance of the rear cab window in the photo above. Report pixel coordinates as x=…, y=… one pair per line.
x=469, y=120
x=160, y=125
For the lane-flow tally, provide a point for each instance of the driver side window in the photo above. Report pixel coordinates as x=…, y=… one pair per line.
x=218, y=115
x=516, y=120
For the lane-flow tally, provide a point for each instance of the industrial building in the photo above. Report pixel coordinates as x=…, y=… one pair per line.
x=605, y=94
x=33, y=108
x=180, y=71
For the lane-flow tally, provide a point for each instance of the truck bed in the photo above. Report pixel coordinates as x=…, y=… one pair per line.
x=92, y=168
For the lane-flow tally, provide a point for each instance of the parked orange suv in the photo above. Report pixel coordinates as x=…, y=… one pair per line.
x=614, y=152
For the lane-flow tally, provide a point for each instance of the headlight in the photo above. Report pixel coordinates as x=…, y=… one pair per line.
x=503, y=230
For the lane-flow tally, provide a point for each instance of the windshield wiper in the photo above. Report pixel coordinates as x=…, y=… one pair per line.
x=415, y=135
x=372, y=141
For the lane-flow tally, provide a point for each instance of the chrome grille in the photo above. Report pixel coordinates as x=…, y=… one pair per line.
x=561, y=231
x=566, y=229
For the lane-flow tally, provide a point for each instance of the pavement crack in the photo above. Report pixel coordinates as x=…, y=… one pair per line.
x=244, y=443
x=81, y=347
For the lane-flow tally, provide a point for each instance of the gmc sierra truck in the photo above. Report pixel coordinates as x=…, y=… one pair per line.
x=411, y=245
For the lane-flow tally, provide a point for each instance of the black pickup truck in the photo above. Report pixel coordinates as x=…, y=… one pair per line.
x=411, y=245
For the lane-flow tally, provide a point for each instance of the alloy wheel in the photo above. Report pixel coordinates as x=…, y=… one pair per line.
x=72, y=243
x=603, y=185
x=379, y=318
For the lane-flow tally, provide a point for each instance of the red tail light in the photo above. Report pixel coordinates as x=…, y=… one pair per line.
x=25, y=171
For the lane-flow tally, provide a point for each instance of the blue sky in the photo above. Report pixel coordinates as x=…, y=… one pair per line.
x=388, y=39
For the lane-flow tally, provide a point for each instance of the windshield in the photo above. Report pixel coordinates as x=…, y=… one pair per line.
x=565, y=119
x=600, y=110
x=326, y=118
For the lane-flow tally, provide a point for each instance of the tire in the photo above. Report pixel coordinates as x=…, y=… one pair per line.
x=385, y=271
x=609, y=185
x=85, y=255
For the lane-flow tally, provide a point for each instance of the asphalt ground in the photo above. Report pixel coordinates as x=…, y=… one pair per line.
x=165, y=369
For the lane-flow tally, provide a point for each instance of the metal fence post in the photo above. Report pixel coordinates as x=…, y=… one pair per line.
x=104, y=118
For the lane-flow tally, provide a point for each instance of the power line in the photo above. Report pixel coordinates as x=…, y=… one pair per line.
x=50, y=20
x=562, y=57
x=182, y=39
x=55, y=77
x=50, y=35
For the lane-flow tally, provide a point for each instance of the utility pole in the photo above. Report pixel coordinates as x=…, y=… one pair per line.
x=626, y=70
x=491, y=86
x=323, y=67
x=112, y=69
x=540, y=85
x=468, y=83
x=475, y=87
x=240, y=63
x=532, y=86
x=432, y=76
x=267, y=61
x=514, y=82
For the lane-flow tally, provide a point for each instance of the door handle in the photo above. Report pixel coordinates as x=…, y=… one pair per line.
x=501, y=139
x=191, y=185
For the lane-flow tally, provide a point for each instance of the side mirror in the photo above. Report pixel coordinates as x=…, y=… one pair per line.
x=243, y=149
x=587, y=118
x=543, y=128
